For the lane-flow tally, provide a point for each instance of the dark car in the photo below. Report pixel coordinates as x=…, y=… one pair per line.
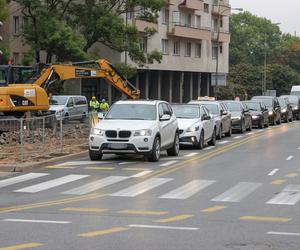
x=240, y=116
x=259, y=113
x=295, y=104
x=273, y=106
x=286, y=110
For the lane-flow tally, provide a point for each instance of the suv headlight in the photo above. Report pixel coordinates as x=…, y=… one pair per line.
x=255, y=116
x=283, y=110
x=143, y=132
x=193, y=129
x=295, y=108
x=270, y=112
x=96, y=131
x=236, y=118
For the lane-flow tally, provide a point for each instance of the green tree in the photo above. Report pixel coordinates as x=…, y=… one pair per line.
x=3, y=10
x=252, y=37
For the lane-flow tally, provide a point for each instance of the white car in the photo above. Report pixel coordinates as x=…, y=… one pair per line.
x=136, y=127
x=196, y=125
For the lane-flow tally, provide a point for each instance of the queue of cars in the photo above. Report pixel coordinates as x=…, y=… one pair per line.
x=147, y=127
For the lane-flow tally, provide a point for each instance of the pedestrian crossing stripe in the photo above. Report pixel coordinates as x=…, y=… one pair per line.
x=290, y=195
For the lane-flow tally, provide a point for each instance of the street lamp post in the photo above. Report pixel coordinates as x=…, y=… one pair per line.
x=218, y=43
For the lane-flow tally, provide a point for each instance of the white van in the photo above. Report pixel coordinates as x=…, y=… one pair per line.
x=295, y=90
x=69, y=107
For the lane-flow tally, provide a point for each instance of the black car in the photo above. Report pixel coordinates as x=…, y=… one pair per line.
x=286, y=110
x=259, y=113
x=295, y=104
x=240, y=116
x=273, y=106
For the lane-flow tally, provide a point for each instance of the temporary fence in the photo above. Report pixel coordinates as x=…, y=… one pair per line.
x=26, y=139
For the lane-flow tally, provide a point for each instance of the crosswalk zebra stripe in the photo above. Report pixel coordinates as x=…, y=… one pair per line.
x=96, y=185
x=290, y=195
x=51, y=184
x=21, y=178
x=238, y=192
x=187, y=190
x=81, y=163
x=142, y=187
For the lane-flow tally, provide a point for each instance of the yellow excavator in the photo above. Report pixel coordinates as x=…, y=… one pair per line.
x=18, y=99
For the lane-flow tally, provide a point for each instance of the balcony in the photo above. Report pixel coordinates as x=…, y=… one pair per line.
x=223, y=10
x=192, y=5
x=142, y=25
x=224, y=36
x=201, y=33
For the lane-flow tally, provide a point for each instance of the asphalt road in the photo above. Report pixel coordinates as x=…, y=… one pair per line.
x=242, y=194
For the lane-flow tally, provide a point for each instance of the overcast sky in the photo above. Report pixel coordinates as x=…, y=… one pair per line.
x=286, y=12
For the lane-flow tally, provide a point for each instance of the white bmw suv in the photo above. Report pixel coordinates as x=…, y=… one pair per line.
x=136, y=127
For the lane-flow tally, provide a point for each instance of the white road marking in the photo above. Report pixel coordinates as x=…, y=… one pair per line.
x=290, y=195
x=187, y=190
x=168, y=163
x=238, y=192
x=96, y=185
x=39, y=221
x=299, y=148
x=274, y=171
x=20, y=178
x=209, y=148
x=238, y=137
x=191, y=154
x=142, y=174
x=127, y=162
x=222, y=142
x=51, y=184
x=142, y=187
x=171, y=158
x=290, y=157
x=250, y=133
x=79, y=163
x=164, y=227
x=260, y=130
x=284, y=233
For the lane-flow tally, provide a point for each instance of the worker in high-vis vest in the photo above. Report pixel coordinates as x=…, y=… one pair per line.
x=104, y=107
x=94, y=107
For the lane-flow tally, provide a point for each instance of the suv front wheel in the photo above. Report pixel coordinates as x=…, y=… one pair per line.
x=155, y=152
x=174, y=150
x=95, y=155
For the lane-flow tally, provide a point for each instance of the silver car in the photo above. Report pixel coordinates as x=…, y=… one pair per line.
x=69, y=107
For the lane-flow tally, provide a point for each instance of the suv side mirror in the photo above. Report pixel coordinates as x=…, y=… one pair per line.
x=206, y=117
x=100, y=115
x=165, y=118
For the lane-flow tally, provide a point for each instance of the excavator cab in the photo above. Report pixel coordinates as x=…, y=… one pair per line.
x=15, y=74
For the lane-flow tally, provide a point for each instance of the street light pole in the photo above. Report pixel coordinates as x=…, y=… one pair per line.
x=218, y=43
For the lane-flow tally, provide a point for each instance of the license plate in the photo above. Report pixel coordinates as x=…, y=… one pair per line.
x=118, y=146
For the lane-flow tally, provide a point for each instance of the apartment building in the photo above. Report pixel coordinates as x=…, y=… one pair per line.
x=11, y=31
x=194, y=37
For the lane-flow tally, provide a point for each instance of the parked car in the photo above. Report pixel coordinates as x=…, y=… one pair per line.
x=136, y=127
x=286, y=110
x=69, y=107
x=259, y=113
x=295, y=104
x=240, y=116
x=221, y=116
x=196, y=125
x=273, y=107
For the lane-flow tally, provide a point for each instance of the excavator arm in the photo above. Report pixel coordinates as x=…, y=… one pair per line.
x=91, y=69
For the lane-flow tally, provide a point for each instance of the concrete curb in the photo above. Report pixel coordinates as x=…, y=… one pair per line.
x=33, y=165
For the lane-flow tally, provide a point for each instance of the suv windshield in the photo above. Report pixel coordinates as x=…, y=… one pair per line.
x=132, y=112
x=58, y=100
x=292, y=99
x=282, y=102
x=253, y=105
x=267, y=101
x=213, y=108
x=295, y=93
x=234, y=106
x=186, y=111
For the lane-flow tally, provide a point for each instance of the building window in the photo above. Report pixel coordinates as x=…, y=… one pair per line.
x=176, y=17
x=221, y=48
x=15, y=58
x=176, y=48
x=16, y=24
x=221, y=22
x=188, y=20
x=198, y=49
x=165, y=46
x=215, y=24
x=214, y=51
x=165, y=16
x=188, y=49
x=143, y=44
x=130, y=13
x=198, y=21
x=206, y=8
